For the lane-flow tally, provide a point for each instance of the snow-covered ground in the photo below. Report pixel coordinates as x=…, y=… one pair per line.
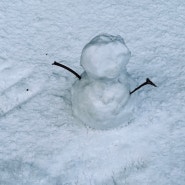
x=41, y=143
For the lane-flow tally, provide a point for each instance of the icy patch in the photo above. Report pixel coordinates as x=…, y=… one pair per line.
x=101, y=99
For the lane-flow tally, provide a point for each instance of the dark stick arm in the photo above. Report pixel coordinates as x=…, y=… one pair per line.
x=148, y=81
x=67, y=68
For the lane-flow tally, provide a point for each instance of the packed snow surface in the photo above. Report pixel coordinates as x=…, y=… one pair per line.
x=101, y=98
x=41, y=143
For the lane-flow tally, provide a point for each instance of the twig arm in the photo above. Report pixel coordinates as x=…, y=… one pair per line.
x=148, y=81
x=67, y=68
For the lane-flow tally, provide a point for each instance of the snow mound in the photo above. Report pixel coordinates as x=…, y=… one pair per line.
x=101, y=99
x=105, y=56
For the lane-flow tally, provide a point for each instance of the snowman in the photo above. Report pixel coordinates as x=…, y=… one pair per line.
x=101, y=98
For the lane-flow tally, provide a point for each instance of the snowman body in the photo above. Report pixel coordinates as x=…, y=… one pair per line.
x=101, y=98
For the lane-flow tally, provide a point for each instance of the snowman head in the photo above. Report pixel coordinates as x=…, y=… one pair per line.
x=105, y=56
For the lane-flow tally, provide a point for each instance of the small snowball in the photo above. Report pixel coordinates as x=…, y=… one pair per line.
x=105, y=56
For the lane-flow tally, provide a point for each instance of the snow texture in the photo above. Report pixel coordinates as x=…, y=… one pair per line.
x=101, y=98
x=41, y=143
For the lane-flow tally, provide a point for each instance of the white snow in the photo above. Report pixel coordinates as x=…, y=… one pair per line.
x=41, y=143
x=101, y=98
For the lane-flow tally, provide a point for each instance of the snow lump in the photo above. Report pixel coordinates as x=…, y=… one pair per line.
x=101, y=99
x=105, y=56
